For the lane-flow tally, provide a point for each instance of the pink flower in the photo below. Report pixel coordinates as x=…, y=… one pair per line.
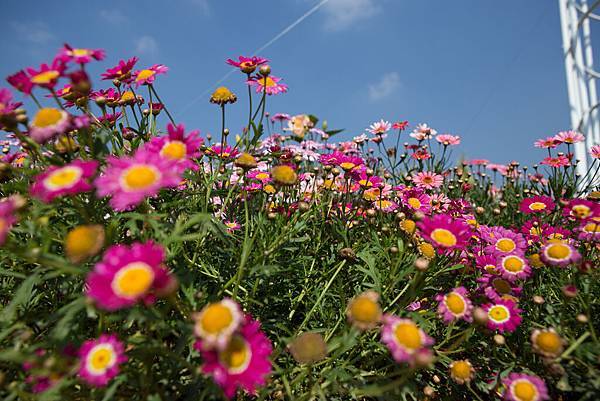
x=129, y=180
x=121, y=71
x=148, y=75
x=589, y=231
x=244, y=363
x=224, y=152
x=558, y=161
x=99, y=359
x=422, y=132
x=513, y=267
x=403, y=338
x=537, y=204
x=7, y=217
x=595, y=151
x=502, y=241
x=379, y=128
x=548, y=143
x=569, y=137
x=503, y=315
x=580, y=209
x=21, y=82
x=271, y=84
x=559, y=254
x=400, y=125
x=427, y=179
x=522, y=387
x=247, y=64
x=48, y=123
x=127, y=274
x=454, y=305
x=177, y=146
x=445, y=232
x=47, y=75
x=446, y=139
x=69, y=179
x=79, y=56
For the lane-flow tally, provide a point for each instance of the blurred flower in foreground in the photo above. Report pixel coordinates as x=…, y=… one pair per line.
x=100, y=359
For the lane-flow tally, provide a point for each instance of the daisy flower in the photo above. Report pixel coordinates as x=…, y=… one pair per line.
x=232, y=226
x=559, y=254
x=422, y=132
x=400, y=125
x=486, y=263
x=247, y=64
x=83, y=242
x=216, y=323
x=581, y=209
x=244, y=363
x=122, y=71
x=129, y=180
x=547, y=342
x=385, y=205
x=379, y=128
x=271, y=84
x=177, y=146
x=503, y=241
x=503, y=315
x=461, y=371
x=7, y=217
x=428, y=179
x=417, y=200
x=47, y=123
x=537, y=204
x=284, y=175
x=262, y=176
x=595, y=152
x=127, y=274
x=224, y=152
x=569, y=137
x=100, y=359
x=403, y=338
x=47, y=75
x=363, y=310
x=589, y=230
x=70, y=179
x=79, y=56
x=548, y=143
x=556, y=162
x=444, y=232
x=522, y=387
x=446, y=139
x=454, y=305
x=513, y=267
x=147, y=76
x=21, y=82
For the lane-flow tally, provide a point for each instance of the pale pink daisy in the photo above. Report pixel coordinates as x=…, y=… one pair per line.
x=569, y=137
x=447, y=139
x=427, y=179
x=422, y=132
x=380, y=127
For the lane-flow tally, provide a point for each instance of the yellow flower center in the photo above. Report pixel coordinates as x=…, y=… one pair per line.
x=443, y=237
x=498, y=313
x=427, y=250
x=548, y=341
x=268, y=82
x=347, y=165
x=133, y=280
x=80, y=52
x=537, y=231
x=581, y=211
x=558, y=251
x=414, y=203
x=101, y=358
x=215, y=318
x=365, y=183
x=408, y=226
x=262, y=176
x=47, y=117
x=524, y=390
x=383, y=204
x=592, y=228
x=45, y=77
x=408, y=335
x=174, y=150
x=222, y=94
x=365, y=310
x=237, y=355
x=127, y=96
x=83, y=240
x=270, y=189
x=140, y=176
x=505, y=245
x=455, y=303
x=461, y=370
x=284, y=175
x=513, y=264
x=144, y=74
x=2, y=224
x=61, y=178
x=537, y=206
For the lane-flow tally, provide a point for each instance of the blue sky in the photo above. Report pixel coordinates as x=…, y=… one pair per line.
x=492, y=74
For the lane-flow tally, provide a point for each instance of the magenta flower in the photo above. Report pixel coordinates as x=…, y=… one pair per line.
x=7, y=217
x=503, y=315
x=48, y=123
x=129, y=274
x=247, y=64
x=589, y=231
x=147, y=76
x=569, y=137
x=403, y=338
x=79, y=56
x=513, y=267
x=244, y=363
x=99, y=359
x=522, y=387
x=595, y=152
x=224, y=152
x=129, y=180
x=502, y=241
x=122, y=71
x=446, y=139
x=547, y=143
x=581, y=209
x=455, y=305
x=537, y=204
x=177, y=146
x=427, y=180
x=556, y=162
x=559, y=254
x=445, y=232
x=271, y=84
x=70, y=179
x=21, y=82
x=47, y=75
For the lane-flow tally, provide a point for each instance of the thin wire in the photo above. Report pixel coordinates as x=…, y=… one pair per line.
x=263, y=47
x=504, y=74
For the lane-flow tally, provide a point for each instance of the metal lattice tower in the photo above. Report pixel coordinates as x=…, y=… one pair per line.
x=575, y=18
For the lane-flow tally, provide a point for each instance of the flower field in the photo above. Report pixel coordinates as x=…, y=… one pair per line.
x=142, y=260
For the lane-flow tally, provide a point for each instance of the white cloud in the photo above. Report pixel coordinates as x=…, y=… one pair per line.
x=36, y=33
x=342, y=14
x=388, y=84
x=113, y=16
x=146, y=45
